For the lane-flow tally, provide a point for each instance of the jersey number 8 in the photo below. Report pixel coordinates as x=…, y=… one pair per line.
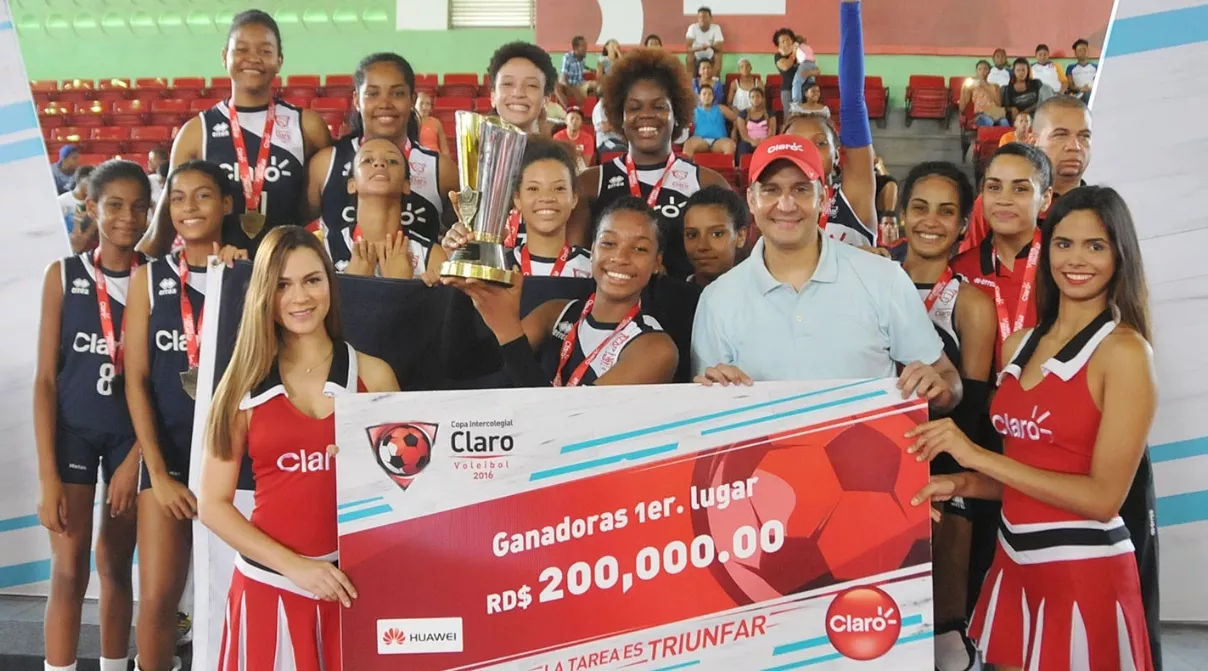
x=104, y=383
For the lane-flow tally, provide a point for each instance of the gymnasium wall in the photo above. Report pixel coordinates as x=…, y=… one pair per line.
x=91, y=39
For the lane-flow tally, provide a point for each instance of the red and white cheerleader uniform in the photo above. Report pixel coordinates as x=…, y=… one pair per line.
x=1063, y=591
x=271, y=623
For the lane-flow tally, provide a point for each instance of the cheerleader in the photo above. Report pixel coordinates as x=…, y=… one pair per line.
x=1074, y=406
x=163, y=320
x=81, y=422
x=266, y=142
x=935, y=202
x=852, y=217
x=545, y=197
x=649, y=98
x=275, y=401
x=385, y=109
x=377, y=244
x=607, y=339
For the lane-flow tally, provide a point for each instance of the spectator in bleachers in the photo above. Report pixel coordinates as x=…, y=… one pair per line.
x=813, y=101
x=64, y=170
x=522, y=78
x=157, y=171
x=1023, y=93
x=607, y=139
x=1047, y=72
x=1000, y=73
x=1023, y=126
x=707, y=78
x=755, y=124
x=987, y=107
x=649, y=98
x=431, y=131
x=887, y=203
x=786, y=64
x=853, y=213
x=739, y=97
x=1081, y=75
x=383, y=101
x=72, y=202
x=807, y=67
x=82, y=233
x=572, y=86
x=817, y=308
x=709, y=126
x=611, y=53
x=230, y=133
x=704, y=40
x=580, y=138
x=715, y=228
x=652, y=41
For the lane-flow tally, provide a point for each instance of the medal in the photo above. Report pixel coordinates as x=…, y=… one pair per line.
x=568, y=345
x=635, y=186
x=526, y=262
x=188, y=378
x=115, y=343
x=252, y=220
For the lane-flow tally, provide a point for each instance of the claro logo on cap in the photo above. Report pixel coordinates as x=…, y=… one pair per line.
x=783, y=147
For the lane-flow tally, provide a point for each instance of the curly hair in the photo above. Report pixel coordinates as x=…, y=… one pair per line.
x=529, y=52
x=656, y=65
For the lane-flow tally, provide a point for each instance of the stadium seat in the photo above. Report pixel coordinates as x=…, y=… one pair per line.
x=69, y=134
x=927, y=98
x=197, y=84
x=427, y=84
x=199, y=105
x=56, y=109
x=589, y=106
x=338, y=86
x=90, y=114
x=987, y=144
x=453, y=103
x=774, y=82
x=333, y=119
x=78, y=85
x=158, y=83
x=744, y=171
x=954, y=90
x=447, y=118
x=722, y=163
x=730, y=78
x=145, y=138
x=168, y=112
x=300, y=97
x=44, y=86
x=47, y=122
x=41, y=100
x=459, y=85
x=128, y=112
x=323, y=105
x=482, y=105
x=220, y=87
x=75, y=96
x=147, y=95
x=876, y=97
x=113, y=89
x=108, y=140
x=302, y=81
x=93, y=158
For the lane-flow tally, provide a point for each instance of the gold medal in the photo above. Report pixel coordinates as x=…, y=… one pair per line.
x=188, y=380
x=252, y=223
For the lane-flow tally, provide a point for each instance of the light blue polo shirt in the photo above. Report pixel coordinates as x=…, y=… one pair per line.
x=858, y=315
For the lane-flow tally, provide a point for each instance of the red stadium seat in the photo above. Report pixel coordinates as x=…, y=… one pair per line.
x=987, y=144
x=158, y=83
x=128, y=112
x=69, y=134
x=78, y=85
x=199, y=105
x=927, y=98
x=589, y=106
x=94, y=158
x=41, y=100
x=447, y=118
x=220, y=87
x=47, y=122
x=333, y=119
x=112, y=84
x=108, y=140
x=460, y=85
x=300, y=97
x=322, y=105
x=147, y=95
x=954, y=89
x=744, y=171
x=111, y=133
x=730, y=78
x=56, y=109
x=427, y=84
x=303, y=81
x=338, y=86
x=90, y=114
x=151, y=133
x=876, y=97
x=453, y=103
x=168, y=112
x=482, y=105
x=44, y=86
x=75, y=96
x=774, y=82
x=189, y=84
x=722, y=163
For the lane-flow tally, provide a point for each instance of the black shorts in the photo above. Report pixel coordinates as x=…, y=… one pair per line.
x=175, y=446
x=79, y=453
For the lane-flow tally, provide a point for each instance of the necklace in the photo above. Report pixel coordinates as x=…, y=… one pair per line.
x=319, y=363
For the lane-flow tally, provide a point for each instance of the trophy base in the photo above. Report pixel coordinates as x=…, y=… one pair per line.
x=477, y=271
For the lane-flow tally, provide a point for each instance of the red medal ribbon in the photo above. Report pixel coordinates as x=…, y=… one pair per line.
x=115, y=344
x=191, y=328
x=513, y=228
x=635, y=186
x=253, y=185
x=938, y=289
x=526, y=262
x=1005, y=327
x=568, y=345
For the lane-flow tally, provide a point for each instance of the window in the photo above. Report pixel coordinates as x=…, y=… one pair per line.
x=491, y=13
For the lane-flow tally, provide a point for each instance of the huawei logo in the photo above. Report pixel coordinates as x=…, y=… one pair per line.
x=393, y=636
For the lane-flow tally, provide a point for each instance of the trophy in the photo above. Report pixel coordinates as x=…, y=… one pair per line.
x=489, y=153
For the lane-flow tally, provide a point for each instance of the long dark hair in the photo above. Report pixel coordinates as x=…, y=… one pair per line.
x=1127, y=292
x=358, y=79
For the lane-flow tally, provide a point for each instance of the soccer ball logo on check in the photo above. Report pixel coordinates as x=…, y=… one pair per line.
x=402, y=449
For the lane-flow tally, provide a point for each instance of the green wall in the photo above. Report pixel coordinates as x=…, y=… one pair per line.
x=94, y=39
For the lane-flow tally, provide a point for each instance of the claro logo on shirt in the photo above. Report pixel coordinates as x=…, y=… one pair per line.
x=1030, y=428
x=420, y=635
x=303, y=461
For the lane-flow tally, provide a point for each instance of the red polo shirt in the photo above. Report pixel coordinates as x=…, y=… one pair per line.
x=980, y=267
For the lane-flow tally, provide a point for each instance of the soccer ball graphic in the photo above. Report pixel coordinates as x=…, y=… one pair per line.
x=403, y=450
x=843, y=495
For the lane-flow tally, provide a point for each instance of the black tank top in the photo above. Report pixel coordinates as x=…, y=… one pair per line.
x=844, y=225
x=591, y=334
x=169, y=355
x=683, y=180
x=285, y=178
x=90, y=393
x=422, y=210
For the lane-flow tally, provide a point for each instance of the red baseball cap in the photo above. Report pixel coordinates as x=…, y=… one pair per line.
x=801, y=152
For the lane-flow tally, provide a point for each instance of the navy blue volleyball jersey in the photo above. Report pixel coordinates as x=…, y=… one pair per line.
x=422, y=210
x=285, y=177
x=844, y=225
x=591, y=335
x=168, y=352
x=91, y=393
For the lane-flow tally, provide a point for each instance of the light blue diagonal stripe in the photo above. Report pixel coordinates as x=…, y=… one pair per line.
x=603, y=461
x=1183, y=449
x=363, y=513
x=18, y=116
x=6, y=25
x=796, y=411
x=808, y=643
x=353, y=504
x=22, y=522
x=618, y=437
x=834, y=655
x=22, y=149
x=1160, y=30
x=1182, y=508
x=678, y=666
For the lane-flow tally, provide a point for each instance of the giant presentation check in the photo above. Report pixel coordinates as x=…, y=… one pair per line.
x=662, y=527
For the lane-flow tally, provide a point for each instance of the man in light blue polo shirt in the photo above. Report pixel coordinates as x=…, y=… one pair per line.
x=805, y=307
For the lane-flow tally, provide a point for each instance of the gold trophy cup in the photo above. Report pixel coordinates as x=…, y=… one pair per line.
x=489, y=154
